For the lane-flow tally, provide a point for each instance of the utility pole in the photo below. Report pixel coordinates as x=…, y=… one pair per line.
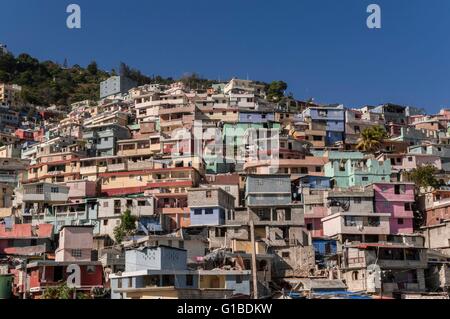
x=254, y=269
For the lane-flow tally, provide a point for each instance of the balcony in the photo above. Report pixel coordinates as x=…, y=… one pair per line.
x=56, y=173
x=356, y=224
x=174, y=110
x=117, y=167
x=170, y=123
x=317, y=212
x=46, y=197
x=8, y=178
x=88, y=170
x=142, y=165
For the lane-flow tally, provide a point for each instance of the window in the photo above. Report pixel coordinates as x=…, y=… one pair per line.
x=350, y=221
x=105, y=222
x=90, y=269
x=285, y=254
x=373, y=221
x=400, y=189
x=189, y=280
x=209, y=212
x=400, y=221
x=208, y=194
x=309, y=226
x=303, y=170
x=317, y=138
x=408, y=207
x=142, y=203
x=365, y=179
x=323, y=113
x=238, y=279
x=55, y=190
x=357, y=200
x=76, y=253
x=181, y=244
x=197, y=212
x=318, y=169
x=355, y=275
x=412, y=254
x=287, y=215
x=58, y=273
x=220, y=232
x=410, y=159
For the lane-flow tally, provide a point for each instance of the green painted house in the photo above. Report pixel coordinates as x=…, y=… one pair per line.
x=349, y=169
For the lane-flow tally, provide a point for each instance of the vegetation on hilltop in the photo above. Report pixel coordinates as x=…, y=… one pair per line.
x=46, y=83
x=49, y=83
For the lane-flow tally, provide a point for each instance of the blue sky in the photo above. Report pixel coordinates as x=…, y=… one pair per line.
x=321, y=48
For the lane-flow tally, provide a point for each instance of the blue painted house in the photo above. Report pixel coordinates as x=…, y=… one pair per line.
x=210, y=206
x=165, y=266
x=256, y=117
x=328, y=118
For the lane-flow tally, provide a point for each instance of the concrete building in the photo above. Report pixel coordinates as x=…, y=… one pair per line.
x=82, y=213
x=330, y=119
x=437, y=237
x=116, y=85
x=440, y=150
x=384, y=269
x=351, y=217
x=210, y=206
x=350, y=169
x=75, y=244
x=10, y=95
x=102, y=139
x=38, y=200
x=279, y=223
x=396, y=199
x=111, y=209
x=166, y=267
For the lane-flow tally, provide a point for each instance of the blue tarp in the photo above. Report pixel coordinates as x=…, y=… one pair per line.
x=343, y=294
x=334, y=293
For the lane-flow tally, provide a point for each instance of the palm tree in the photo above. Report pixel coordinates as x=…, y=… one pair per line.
x=371, y=139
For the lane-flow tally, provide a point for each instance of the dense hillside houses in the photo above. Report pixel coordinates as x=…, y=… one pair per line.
x=168, y=191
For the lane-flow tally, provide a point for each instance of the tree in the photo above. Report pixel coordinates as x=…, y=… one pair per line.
x=126, y=228
x=275, y=91
x=63, y=292
x=371, y=139
x=92, y=68
x=423, y=177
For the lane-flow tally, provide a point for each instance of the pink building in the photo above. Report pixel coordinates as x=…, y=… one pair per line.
x=396, y=199
x=411, y=161
x=81, y=189
x=75, y=244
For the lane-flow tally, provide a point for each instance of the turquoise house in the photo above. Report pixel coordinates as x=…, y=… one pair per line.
x=233, y=139
x=349, y=169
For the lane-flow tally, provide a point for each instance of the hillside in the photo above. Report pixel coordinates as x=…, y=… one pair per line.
x=47, y=83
